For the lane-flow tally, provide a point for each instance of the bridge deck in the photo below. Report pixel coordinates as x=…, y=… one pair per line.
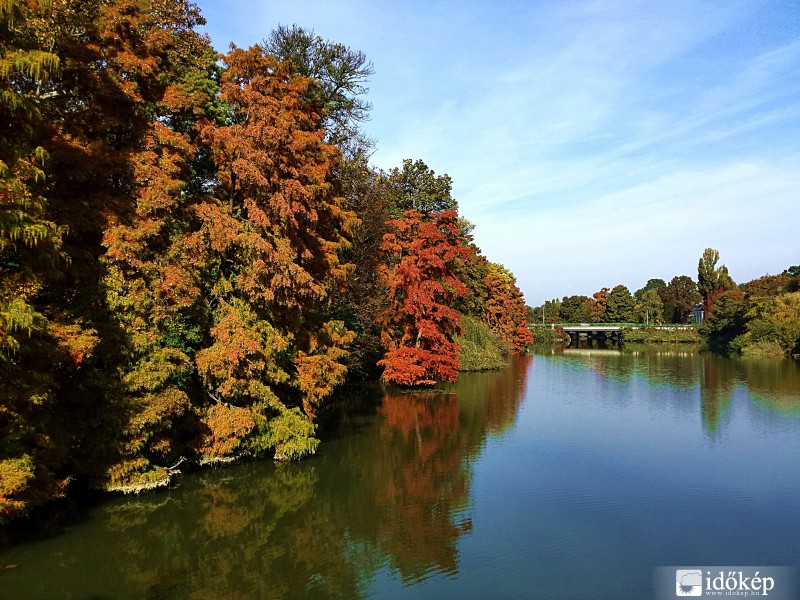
x=591, y=328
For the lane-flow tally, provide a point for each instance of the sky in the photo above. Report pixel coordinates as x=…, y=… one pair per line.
x=591, y=142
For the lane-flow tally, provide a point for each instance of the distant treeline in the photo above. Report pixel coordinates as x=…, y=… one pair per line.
x=758, y=318
x=195, y=250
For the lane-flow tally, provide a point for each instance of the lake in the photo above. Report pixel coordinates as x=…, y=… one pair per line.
x=570, y=474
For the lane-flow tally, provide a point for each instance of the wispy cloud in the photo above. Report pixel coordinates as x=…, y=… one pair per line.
x=660, y=126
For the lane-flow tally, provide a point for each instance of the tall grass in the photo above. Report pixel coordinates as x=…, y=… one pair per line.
x=480, y=349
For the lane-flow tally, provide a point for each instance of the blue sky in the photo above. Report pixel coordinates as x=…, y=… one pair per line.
x=591, y=142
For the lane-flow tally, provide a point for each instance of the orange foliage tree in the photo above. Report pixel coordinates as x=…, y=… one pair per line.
x=141, y=159
x=268, y=244
x=506, y=313
x=596, y=305
x=106, y=149
x=417, y=320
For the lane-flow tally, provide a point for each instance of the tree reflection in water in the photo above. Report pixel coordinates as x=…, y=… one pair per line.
x=391, y=495
x=773, y=385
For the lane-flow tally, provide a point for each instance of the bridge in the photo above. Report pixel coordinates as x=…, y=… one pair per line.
x=590, y=332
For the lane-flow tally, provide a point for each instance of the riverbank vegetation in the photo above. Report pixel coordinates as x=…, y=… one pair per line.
x=195, y=250
x=760, y=318
x=548, y=334
x=661, y=335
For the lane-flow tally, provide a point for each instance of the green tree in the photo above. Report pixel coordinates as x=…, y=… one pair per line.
x=678, y=298
x=785, y=315
x=472, y=272
x=726, y=322
x=356, y=300
x=549, y=312
x=652, y=284
x=620, y=306
x=793, y=271
x=416, y=187
x=341, y=75
x=30, y=256
x=772, y=325
x=649, y=308
x=574, y=309
x=711, y=279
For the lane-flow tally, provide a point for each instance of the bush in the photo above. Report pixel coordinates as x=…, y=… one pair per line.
x=545, y=334
x=763, y=349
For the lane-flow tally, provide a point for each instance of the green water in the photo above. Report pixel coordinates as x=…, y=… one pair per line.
x=570, y=474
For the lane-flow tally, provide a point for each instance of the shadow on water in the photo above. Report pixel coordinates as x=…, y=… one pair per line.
x=389, y=494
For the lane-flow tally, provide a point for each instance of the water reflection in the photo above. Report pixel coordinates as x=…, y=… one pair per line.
x=773, y=385
x=393, y=498
x=425, y=485
x=717, y=382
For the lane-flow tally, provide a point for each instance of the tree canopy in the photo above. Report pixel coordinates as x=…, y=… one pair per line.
x=195, y=251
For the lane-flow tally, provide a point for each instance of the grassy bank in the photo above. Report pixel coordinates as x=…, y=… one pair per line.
x=661, y=335
x=480, y=349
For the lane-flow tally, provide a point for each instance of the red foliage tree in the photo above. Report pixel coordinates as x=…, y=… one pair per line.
x=417, y=320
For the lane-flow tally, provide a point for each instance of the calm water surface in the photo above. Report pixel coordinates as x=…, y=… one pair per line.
x=571, y=474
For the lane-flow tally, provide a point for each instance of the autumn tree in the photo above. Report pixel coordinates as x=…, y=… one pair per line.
x=93, y=89
x=269, y=245
x=506, y=312
x=341, y=74
x=417, y=321
x=768, y=286
x=596, y=307
x=122, y=148
x=185, y=255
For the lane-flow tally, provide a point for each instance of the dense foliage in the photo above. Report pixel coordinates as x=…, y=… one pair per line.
x=195, y=251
